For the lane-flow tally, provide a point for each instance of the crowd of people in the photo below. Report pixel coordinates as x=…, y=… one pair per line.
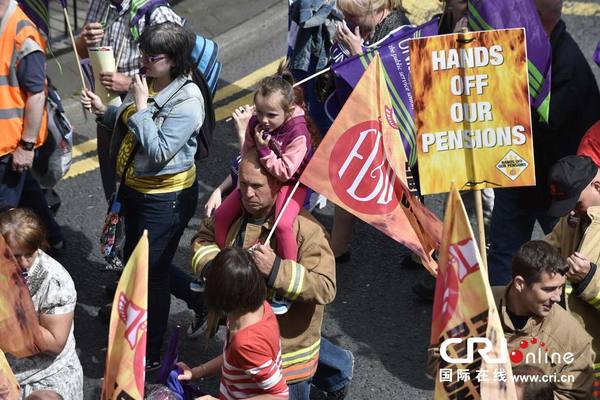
x=270, y=297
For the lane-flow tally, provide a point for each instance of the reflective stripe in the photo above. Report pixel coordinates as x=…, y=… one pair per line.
x=29, y=46
x=568, y=289
x=301, y=355
x=295, y=287
x=10, y=113
x=9, y=80
x=202, y=252
x=299, y=282
x=22, y=24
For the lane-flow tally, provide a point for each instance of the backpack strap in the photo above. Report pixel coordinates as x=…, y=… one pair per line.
x=158, y=109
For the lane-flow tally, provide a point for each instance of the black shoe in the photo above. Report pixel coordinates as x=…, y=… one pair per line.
x=343, y=258
x=113, y=264
x=339, y=394
x=425, y=289
x=152, y=364
x=52, y=199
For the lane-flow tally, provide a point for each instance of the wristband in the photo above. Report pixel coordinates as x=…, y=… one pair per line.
x=25, y=145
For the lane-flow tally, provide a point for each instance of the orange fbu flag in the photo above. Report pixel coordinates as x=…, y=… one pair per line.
x=124, y=373
x=8, y=380
x=465, y=318
x=361, y=166
x=17, y=314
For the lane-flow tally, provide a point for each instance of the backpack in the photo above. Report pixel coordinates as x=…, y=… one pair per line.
x=205, y=76
x=53, y=159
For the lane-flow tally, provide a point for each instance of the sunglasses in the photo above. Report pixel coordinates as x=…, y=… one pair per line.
x=153, y=59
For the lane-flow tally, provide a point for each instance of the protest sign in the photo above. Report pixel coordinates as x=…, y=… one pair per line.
x=471, y=108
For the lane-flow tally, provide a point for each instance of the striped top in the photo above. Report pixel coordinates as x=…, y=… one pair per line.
x=252, y=361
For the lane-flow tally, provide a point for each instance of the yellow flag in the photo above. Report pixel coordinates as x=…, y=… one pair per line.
x=124, y=372
x=465, y=318
x=7, y=378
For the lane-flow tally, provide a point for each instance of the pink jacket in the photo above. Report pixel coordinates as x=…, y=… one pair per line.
x=289, y=149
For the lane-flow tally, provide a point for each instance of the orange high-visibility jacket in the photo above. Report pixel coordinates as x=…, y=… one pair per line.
x=18, y=38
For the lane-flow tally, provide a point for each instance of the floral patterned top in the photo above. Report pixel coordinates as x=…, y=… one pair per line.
x=53, y=292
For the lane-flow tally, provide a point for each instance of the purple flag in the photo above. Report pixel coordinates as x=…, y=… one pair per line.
x=485, y=15
x=597, y=54
x=393, y=50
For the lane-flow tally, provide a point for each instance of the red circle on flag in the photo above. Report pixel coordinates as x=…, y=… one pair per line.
x=359, y=172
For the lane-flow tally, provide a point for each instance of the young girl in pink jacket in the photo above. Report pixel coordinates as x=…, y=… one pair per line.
x=280, y=133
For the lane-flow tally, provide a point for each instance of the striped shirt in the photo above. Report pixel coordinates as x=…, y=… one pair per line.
x=252, y=361
x=117, y=28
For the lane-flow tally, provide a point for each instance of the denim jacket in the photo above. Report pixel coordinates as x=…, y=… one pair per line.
x=168, y=141
x=313, y=42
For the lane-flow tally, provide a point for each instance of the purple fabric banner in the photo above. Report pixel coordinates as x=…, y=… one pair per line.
x=485, y=15
x=393, y=50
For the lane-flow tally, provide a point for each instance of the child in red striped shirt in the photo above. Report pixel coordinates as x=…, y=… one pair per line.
x=251, y=361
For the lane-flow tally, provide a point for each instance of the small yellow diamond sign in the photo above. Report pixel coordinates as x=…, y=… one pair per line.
x=512, y=165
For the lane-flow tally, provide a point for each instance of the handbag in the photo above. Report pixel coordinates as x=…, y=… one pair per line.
x=113, y=223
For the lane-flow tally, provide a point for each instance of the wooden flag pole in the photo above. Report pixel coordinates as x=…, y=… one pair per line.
x=308, y=78
x=74, y=48
x=480, y=225
x=282, y=211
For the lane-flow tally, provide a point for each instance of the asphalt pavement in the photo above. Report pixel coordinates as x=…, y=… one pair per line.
x=375, y=314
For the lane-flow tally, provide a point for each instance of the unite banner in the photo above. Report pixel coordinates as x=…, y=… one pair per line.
x=471, y=108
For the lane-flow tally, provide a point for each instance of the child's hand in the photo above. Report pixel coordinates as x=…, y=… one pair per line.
x=91, y=102
x=261, y=136
x=213, y=202
x=241, y=116
x=186, y=375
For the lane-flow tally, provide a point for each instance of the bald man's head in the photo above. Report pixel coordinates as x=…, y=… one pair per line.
x=550, y=12
x=258, y=188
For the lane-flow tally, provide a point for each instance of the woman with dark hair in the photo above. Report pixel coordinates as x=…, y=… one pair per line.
x=56, y=367
x=153, y=146
x=250, y=365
